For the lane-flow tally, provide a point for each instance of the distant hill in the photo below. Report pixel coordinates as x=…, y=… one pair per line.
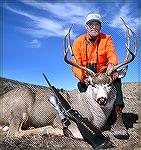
x=8, y=84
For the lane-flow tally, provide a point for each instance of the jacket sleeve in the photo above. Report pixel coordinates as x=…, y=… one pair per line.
x=111, y=52
x=77, y=54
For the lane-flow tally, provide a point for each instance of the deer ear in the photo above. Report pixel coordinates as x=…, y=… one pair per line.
x=122, y=72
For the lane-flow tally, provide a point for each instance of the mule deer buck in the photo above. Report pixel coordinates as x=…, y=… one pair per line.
x=23, y=108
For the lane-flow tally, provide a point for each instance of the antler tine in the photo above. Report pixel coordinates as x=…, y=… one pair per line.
x=69, y=44
x=134, y=35
x=128, y=39
x=69, y=36
x=133, y=54
x=65, y=49
x=90, y=72
x=125, y=61
x=135, y=42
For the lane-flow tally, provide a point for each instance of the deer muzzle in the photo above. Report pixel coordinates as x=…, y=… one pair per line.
x=102, y=101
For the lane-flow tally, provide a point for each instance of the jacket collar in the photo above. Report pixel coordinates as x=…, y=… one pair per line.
x=88, y=37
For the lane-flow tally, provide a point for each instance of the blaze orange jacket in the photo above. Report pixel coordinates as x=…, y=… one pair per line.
x=102, y=53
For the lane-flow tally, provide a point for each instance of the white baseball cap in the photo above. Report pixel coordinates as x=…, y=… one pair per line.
x=94, y=17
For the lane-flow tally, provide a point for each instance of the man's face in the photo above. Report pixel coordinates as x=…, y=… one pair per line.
x=93, y=28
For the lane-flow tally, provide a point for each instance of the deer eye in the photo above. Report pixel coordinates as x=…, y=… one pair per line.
x=109, y=85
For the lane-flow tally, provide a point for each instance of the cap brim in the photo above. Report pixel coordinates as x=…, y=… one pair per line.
x=93, y=20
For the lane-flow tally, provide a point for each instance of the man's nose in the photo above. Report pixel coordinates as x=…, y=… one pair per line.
x=93, y=26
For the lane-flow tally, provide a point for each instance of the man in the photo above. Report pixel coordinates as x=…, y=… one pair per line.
x=96, y=51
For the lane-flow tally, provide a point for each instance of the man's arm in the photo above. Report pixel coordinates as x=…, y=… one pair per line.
x=112, y=57
x=111, y=52
x=77, y=54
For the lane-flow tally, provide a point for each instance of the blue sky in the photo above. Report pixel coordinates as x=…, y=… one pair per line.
x=33, y=32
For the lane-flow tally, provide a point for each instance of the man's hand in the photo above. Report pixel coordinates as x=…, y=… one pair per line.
x=110, y=68
x=114, y=75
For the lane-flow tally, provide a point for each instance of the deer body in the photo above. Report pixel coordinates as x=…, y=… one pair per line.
x=23, y=108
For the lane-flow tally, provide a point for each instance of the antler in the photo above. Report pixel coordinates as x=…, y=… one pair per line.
x=133, y=54
x=77, y=65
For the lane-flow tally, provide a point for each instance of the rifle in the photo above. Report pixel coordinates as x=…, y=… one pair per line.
x=90, y=133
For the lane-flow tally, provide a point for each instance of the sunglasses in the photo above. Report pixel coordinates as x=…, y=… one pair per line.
x=90, y=23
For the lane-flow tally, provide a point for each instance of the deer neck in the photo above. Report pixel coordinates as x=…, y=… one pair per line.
x=99, y=116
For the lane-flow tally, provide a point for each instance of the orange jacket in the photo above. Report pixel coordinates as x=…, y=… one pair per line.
x=105, y=53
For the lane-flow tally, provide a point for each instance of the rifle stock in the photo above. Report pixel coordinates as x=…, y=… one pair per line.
x=90, y=133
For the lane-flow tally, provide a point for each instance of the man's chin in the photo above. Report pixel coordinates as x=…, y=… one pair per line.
x=95, y=34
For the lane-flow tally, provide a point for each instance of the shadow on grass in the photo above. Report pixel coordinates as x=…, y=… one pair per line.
x=129, y=119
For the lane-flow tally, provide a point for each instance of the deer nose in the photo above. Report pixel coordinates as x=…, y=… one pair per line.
x=102, y=101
